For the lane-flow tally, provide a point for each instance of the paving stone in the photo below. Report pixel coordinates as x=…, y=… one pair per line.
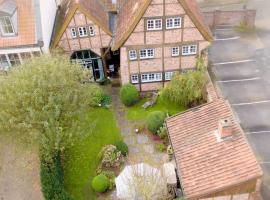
x=130, y=140
x=149, y=148
x=142, y=139
x=133, y=150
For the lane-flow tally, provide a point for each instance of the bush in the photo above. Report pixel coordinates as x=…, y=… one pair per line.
x=186, y=89
x=111, y=176
x=129, y=94
x=155, y=120
x=122, y=147
x=98, y=96
x=52, y=180
x=162, y=132
x=160, y=147
x=110, y=156
x=100, y=183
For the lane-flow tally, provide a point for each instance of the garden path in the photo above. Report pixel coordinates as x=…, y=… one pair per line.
x=141, y=146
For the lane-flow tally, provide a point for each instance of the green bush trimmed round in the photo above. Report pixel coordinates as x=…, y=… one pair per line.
x=100, y=183
x=155, y=120
x=122, y=147
x=129, y=94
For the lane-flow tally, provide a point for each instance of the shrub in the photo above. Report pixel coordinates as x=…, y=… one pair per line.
x=129, y=94
x=162, y=132
x=160, y=147
x=186, y=89
x=122, y=147
x=111, y=176
x=52, y=180
x=100, y=183
x=98, y=96
x=155, y=120
x=110, y=156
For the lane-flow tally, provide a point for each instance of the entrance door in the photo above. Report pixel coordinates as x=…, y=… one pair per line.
x=90, y=61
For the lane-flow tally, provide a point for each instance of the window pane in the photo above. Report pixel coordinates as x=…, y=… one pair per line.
x=25, y=55
x=14, y=59
x=91, y=30
x=6, y=26
x=142, y=53
x=132, y=55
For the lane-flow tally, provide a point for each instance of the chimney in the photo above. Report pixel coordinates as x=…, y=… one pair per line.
x=225, y=128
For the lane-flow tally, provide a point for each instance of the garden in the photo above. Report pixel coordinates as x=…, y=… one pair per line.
x=49, y=103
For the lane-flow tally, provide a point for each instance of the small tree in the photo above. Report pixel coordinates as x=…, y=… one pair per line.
x=44, y=101
x=186, y=89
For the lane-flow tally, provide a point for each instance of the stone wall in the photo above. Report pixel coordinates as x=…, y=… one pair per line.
x=232, y=18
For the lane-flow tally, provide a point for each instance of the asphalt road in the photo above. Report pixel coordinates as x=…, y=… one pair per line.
x=241, y=65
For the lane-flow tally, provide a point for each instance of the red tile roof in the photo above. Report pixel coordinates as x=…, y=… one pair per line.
x=206, y=165
x=91, y=8
x=132, y=11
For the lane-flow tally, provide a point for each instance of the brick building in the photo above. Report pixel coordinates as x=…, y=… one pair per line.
x=25, y=29
x=143, y=41
x=214, y=160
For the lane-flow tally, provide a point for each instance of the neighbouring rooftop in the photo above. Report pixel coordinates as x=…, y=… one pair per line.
x=207, y=162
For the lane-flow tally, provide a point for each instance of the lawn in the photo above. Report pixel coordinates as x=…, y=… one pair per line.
x=81, y=161
x=137, y=112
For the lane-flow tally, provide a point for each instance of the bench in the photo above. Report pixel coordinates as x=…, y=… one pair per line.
x=152, y=102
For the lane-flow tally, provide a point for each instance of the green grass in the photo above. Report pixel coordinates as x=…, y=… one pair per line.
x=81, y=160
x=137, y=112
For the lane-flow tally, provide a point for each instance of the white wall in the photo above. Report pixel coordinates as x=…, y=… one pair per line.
x=47, y=11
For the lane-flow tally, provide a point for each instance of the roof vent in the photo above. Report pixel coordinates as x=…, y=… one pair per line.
x=225, y=129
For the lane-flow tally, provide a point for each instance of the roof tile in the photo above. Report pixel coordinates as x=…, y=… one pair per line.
x=205, y=164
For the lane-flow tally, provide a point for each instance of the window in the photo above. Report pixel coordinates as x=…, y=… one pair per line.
x=151, y=77
x=73, y=32
x=169, y=75
x=154, y=24
x=82, y=31
x=189, y=50
x=6, y=26
x=14, y=59
x=91, y=30
x=173, y=23
x=3, y=62
x=147, y=53
x=135, y=78
x=175, y=51
x=36, y=53
x=132, y=55
x=25, y=55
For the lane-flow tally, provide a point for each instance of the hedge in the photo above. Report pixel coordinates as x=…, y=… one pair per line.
x=52, y=180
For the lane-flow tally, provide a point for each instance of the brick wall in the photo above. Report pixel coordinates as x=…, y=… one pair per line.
x=233, y=18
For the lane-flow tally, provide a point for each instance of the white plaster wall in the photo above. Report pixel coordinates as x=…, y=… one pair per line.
x=48, y=10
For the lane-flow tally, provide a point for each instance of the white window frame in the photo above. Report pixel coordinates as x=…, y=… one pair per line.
x=171, y=22
x=147, y=53
x=154, y=24
x=73, y=32
x=91, y=30
x=175, y=51
x=151, y=77
x=4, y=18
x=132, y=55
x=134, y=78
x=169, y=75
x=82, y=31
x=189, y=50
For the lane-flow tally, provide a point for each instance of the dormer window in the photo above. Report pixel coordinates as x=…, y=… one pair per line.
x=6, y=26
